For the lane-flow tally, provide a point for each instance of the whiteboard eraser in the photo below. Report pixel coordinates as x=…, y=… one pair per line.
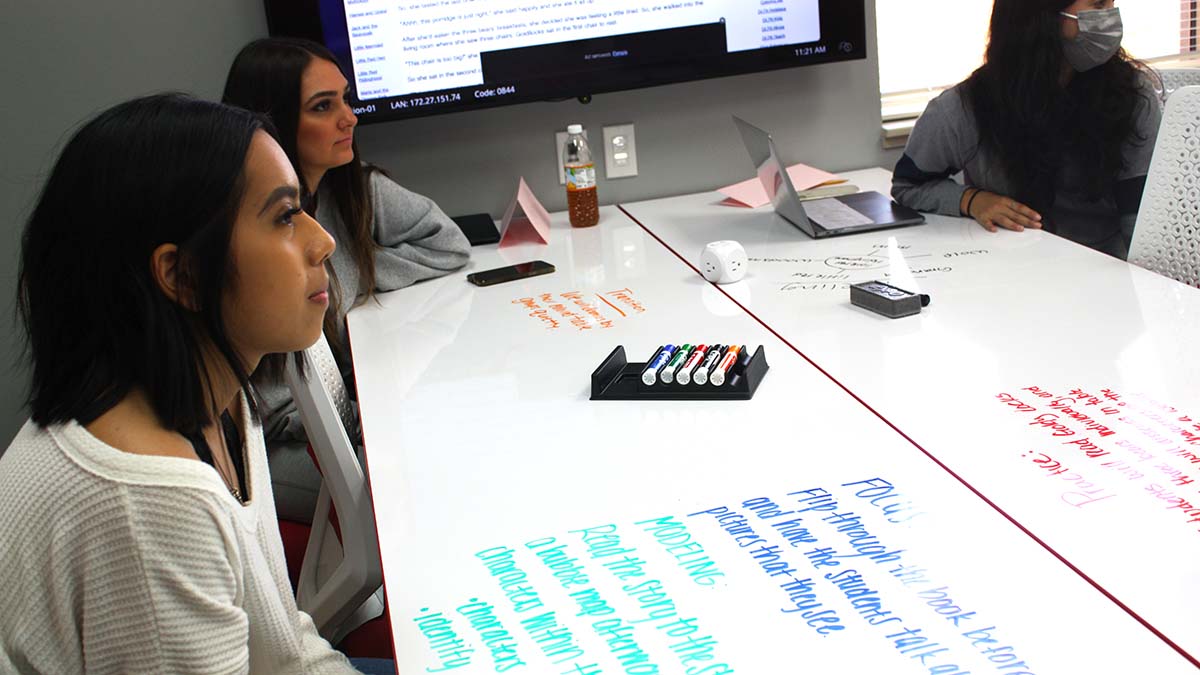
x=886, y=299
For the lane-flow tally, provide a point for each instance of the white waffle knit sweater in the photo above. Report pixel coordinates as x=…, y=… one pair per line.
x=118, y=563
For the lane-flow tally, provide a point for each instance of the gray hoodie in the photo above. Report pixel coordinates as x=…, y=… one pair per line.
x=946, y=141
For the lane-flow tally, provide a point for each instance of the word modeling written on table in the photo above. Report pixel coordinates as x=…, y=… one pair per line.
x=581, y=310
x=813, y=563
x=837, y=273
x=1103, y=443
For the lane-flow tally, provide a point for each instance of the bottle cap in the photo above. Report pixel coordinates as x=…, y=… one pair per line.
x=574, y=128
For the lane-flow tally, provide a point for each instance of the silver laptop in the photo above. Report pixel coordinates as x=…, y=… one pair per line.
x=859, y=212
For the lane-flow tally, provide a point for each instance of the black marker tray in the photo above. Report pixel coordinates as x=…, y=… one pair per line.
x=618, y=380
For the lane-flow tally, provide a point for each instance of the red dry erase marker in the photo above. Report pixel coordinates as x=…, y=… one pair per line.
x=684, y=376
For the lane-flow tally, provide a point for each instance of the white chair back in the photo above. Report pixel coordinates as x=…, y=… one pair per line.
x=1176, y=78
x=1167, y=237
x=340, y=585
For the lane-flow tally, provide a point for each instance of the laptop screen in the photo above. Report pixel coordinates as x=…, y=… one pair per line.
x=773, y=174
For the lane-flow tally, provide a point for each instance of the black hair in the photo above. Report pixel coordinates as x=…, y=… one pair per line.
x=159, y=169
x=265, y=77
x=1032, y=123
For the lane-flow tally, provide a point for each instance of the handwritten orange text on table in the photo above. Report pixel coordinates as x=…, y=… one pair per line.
x=581, y=310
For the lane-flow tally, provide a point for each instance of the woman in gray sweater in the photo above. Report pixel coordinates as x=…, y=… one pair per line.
x=1054, y=131
x=387, y=236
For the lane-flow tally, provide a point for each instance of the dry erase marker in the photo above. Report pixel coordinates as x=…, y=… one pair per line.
x=667, y=374
x=684, y=376
x=738, y=371
x=704, y=370
x=744, y=357
x=717, y=376
x=650, y=374
x=714, y=355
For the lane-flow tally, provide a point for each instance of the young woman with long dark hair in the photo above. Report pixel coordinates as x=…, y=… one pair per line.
x=388, y=237
x=1055, y=130
x=166, y=258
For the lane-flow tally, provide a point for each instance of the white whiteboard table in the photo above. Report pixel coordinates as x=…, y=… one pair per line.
x=1060, y=383
x=524, y=528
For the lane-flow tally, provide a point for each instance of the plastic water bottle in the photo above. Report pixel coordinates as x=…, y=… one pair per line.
x=582, y=203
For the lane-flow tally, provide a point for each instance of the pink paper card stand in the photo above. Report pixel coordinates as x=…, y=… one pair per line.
x=751, y=193
x=526, y=221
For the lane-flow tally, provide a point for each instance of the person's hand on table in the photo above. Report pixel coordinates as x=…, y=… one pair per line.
x=994, y=211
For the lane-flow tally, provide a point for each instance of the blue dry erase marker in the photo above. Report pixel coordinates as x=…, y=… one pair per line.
x=714, y=355
x=650, y=374
x=667, y=374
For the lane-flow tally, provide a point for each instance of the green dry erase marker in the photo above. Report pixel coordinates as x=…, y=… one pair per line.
x=668, y=372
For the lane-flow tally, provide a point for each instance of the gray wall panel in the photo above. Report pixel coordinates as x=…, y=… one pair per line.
x=61, y=61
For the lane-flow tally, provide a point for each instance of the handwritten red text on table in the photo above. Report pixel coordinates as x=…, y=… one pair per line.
x=1132, y=438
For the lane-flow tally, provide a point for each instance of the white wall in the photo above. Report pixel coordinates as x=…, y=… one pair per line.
x=918, y=50
x=62, y=61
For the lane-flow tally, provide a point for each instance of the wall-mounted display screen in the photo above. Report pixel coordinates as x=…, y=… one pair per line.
x=420, y=57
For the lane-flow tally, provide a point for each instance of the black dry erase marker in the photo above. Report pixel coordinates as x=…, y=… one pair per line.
x=710, y=362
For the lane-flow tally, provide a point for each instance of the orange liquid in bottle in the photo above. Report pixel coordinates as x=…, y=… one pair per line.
x=583, y=207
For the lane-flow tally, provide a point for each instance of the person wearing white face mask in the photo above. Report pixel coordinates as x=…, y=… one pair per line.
x=1055, y=131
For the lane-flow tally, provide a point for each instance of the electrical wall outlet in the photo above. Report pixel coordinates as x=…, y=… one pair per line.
x=620, y=151
x=560, y=141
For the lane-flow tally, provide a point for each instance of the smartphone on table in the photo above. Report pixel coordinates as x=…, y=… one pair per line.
x=479, y=228
x=500, y=275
